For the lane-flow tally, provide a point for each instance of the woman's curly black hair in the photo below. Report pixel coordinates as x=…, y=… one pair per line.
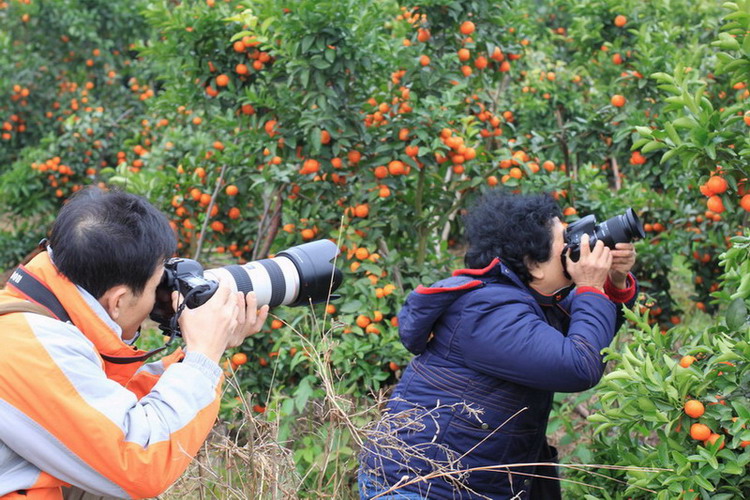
x=511, y=227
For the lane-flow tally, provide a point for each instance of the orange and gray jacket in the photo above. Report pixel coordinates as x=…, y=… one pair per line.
x=67, y=417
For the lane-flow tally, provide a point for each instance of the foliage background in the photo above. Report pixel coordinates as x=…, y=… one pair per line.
x=258, y=125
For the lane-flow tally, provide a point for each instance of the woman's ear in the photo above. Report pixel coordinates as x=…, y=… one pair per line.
x=535, y=270
x=113, y=300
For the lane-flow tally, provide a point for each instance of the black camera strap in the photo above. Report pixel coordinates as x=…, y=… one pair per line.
x=37, y=293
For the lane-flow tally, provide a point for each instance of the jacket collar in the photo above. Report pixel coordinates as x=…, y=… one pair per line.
x=497, y=268
x=89, y=317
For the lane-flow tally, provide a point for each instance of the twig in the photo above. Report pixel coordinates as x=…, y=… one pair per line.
x=208, y=212
x=616, y=173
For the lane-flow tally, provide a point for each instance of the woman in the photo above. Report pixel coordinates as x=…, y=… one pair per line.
x=494, y=343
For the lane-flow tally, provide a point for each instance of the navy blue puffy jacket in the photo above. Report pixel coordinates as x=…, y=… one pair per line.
x=489, y=359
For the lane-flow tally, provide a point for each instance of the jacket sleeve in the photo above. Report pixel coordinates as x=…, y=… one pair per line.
x=60, y=412
x=508, y=339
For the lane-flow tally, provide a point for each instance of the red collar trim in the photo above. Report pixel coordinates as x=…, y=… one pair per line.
x=477, y=272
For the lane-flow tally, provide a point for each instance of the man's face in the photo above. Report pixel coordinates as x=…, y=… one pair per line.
x=135, y=308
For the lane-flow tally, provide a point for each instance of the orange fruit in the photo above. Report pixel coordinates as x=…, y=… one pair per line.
x=713, y=438
x=330, y=309
x=467, y=28
x=362, y=321
x=700, y=432
x=276, y=324
x=239, y=358
x=423, y=35
x=717, y=184
x=694, y=408
x=618, y=101
x=232, y=190
x=393, y=366
x=362, y=210
x=715, y=204
x=222, y=80
x=516, y=173
x=569, y=211
x=424, y=60
x=620, y=21
x=307, y=234
x=745, y=202
x=362, y=253
x=241, y=69
x=464, y=55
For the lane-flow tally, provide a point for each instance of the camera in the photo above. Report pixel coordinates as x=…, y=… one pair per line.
x=297, y=276
x=622, y=228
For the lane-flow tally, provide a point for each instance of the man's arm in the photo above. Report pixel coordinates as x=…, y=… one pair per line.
x=60, y=412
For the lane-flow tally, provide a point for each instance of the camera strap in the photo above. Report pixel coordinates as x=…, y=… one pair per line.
x=43, y=301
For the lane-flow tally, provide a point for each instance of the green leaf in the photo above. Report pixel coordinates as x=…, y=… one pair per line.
x=653, y=146
x=736, y=315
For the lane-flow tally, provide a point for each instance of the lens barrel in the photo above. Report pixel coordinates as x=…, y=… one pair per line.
x=296, y=276
x=622, y=228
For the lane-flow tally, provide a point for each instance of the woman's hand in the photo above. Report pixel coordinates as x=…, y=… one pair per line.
x=623, y=260
x=593, y=265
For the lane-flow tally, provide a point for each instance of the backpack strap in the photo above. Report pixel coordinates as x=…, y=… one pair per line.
x=25, y=306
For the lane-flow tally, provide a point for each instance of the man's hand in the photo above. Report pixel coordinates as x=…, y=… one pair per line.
x=592, y=266
x=623, y=260
x=208, y=329
x=250, y=318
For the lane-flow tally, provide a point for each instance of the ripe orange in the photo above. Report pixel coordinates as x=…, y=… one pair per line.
x=241, y=69
x=362, y=210
x=362, y=321
x=307, y=234
x=715, y=204
x=618, y=101
x=700, y=432
x=234, y=213
x=694, y=408
x=423, y=35
x=222, y=80
x=516, y=173
x=239, y=358
x=276, y=324
x=381, y=172
x=424, y=60
x=713, y=438
x=393, y=366
x=745, y=202
x=548, y=165
x=717, y=184
x=464, y=55
x=569, y=211
x=467, y=28
x=620, y=21
x=362, y=253
x=232, y=190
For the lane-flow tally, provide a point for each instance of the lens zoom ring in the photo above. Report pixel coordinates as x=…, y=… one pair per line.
x=278, y=284
x=241, y=278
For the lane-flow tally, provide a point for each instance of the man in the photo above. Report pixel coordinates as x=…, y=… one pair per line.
x=494, y=343
x=78, y=406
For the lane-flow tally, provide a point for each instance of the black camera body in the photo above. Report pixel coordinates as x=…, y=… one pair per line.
x=186, y=277
x=622, y=228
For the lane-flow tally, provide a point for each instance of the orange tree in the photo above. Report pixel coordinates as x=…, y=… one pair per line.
x=260, y=125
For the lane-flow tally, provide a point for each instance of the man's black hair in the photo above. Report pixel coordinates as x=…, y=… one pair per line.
x=511, y=227
x=102, y=239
